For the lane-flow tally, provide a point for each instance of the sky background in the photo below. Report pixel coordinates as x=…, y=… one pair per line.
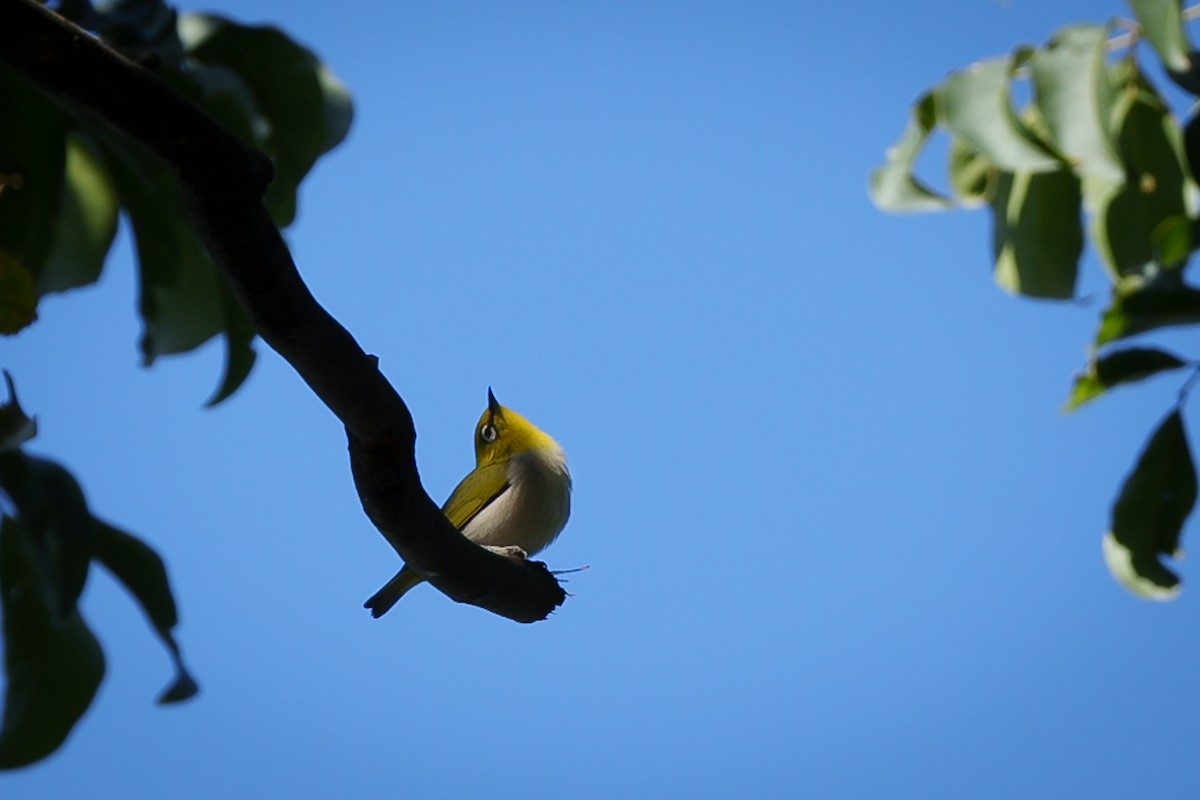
x=842, y=542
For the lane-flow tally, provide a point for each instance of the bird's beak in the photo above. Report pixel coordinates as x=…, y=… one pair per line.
x=493, y=406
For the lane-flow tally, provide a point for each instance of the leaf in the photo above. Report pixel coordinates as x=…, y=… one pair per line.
x=1163, y=26
x=18, y=296
x=305, y=109
x=32, y=163
x=1171, y=241
x=138, y=27
x=55, y=518
x=239, y=348
x=1146, y=307
x=1129, y=365
x=1037, y=233
x=895, y=186
x=1074, y=98
x=972, y=177
x=222, y=93
x=52, y=668
x=142, y=572
x=86, y=222
x=179, y=302
x=976, y=105
x=16, y=427
x=184, y=301
x=1127, y=215
x=1191, y=145
x=1148, y=516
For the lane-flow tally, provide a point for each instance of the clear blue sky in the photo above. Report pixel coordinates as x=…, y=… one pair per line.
x=842, y=542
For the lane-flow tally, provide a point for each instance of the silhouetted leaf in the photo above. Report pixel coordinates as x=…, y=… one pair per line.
x=18, y=296
x=16, y=427
x=52, y=666
x=179, y=302
x=239, y=348
x=1120, y=366
x=304, y=109
x=132, y=27
x=1159, y=304
x=32, y=166
x=141, y=570
x=1191, y=145
x=1172, y=242
x=85, y=225
x=1148, y=517
x=55, y=518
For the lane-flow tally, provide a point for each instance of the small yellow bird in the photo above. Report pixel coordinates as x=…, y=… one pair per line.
x=518, y=494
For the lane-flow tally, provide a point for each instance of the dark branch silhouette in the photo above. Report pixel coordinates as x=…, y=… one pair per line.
x=223, y=181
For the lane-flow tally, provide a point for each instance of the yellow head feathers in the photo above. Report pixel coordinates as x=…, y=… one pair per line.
x=502, y=433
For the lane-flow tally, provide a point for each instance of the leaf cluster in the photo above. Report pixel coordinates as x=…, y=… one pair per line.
x=65, y=177
x=49, y=541
x=1095, y=154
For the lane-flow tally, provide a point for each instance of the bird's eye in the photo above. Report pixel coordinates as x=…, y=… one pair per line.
x=488, y=432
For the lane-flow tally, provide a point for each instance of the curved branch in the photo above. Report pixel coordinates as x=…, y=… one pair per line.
x=223, y=181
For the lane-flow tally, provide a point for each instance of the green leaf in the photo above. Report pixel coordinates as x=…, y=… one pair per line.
x=1163, y=26
x=52, y=667
x=86, y=222
x=239, y=348
x=1172, y=242
x=306, y=111
x=1148, y=516
x=1075, y=98
x=18, y=296
x=32, y=163
x=224, y=95
x=16, y=427
x=895, y=186
x=1145, y=307
x=184, y=300
x=972, y=177
x=137, y=27
x=1127, y=215
x=1037, y=233
x=141, y=570
x=976, y=104
x=180, y=301
x=55, y=517
x=1120, y=366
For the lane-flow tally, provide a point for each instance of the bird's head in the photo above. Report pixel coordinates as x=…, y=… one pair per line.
x=502, y=433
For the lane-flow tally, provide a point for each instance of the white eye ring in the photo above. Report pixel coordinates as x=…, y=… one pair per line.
x=488, y=433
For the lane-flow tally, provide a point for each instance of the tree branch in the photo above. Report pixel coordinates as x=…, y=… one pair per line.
x=223, y=181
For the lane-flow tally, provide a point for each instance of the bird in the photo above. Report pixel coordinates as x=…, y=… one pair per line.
x=519, y=494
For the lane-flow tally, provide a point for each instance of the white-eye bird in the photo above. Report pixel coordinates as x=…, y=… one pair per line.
x=518, y=494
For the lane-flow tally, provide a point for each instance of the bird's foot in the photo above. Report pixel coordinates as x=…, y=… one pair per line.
x=510, y=551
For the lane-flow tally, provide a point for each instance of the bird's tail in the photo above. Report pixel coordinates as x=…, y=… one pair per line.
x=386, y=597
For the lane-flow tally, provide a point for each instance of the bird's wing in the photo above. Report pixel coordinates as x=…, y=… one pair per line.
x=475, y=493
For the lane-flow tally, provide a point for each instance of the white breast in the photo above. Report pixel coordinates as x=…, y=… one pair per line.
x=534, y=508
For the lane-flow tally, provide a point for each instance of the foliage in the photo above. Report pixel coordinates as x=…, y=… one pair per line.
x=64, y=180
x=1096, y=154
x=48, y=544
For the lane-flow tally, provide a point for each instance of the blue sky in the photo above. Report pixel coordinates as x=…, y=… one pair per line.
x=842, y=543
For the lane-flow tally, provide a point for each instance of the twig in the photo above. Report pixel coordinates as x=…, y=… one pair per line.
x=223, y=181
